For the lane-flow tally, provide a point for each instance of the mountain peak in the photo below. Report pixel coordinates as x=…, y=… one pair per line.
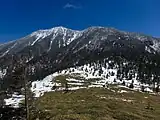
x=46, y=32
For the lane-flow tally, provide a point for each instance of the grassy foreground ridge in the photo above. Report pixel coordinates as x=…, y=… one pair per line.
x=113, y=103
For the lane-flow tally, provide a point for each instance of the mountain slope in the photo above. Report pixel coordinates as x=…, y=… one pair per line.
x=61, y=37
x=44, y=39
x=47, y=51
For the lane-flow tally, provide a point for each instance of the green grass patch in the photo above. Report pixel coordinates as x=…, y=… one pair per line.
x=97, y=104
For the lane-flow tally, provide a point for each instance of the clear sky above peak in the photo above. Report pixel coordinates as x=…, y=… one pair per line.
x=21, y=17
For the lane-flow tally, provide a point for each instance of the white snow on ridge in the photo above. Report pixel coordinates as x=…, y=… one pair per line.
x=36, y=40
x=5, y=53
x=14, y=100
x=148, y=49
x=156, y=45
x=8, y=50
x=148, y=90
x=76, y=88
x=122, y=91
x=75, y=36
x=38, y=88
x=74, y=80
x=42, y=86
x=53, y=37
x=2, y=72
x=41, y=34
x=96, y=75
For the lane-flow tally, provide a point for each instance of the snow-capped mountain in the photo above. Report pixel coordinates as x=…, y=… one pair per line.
x=45, y=52
x=58, y=36
x=67, y=35
x=46, y=40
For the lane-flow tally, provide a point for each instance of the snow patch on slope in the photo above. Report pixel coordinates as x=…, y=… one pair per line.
x=68, y=35
x=148, y=49
x=42, y=86
x=2, y=72
x=14, y=101
x=86, y=76
x=156, y=46
x=8, y=50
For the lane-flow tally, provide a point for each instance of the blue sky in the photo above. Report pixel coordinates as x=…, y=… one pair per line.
x=21, y=17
